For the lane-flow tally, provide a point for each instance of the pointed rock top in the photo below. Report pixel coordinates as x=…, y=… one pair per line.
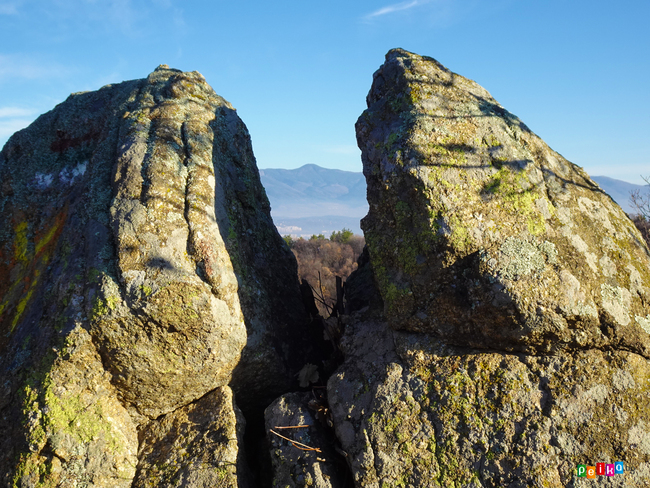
x=164, y=73
x=165, y=67
x=482, y=234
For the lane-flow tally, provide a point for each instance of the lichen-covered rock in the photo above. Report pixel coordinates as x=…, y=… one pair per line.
x=199, y=445
x=77, y=432
x=412, y=411
x=135, y=213
x=515, y=341
x=294, y=465
x=481, y=234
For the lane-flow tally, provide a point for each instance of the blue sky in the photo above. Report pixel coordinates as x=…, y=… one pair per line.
x=576, y=72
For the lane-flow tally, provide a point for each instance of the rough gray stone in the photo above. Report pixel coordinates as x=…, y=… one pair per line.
x=198, y=446
x=293, y=466
x=135, y=213
x=412, y=411
x=481, y=234
x=76, y=430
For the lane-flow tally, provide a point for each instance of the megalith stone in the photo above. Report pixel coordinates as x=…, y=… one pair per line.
x=512, y=344
x=133, y=217
x=481, y=234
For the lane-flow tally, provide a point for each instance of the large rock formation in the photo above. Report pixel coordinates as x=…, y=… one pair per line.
x=515, y=344
x=481, y=234
x=145, y=297
x=137, y=260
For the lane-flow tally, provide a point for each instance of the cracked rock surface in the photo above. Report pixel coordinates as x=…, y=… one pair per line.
x=481, y=234
x=137, y=249
x=294, y=465
x=198, y=445
x=513, y=342
x=410, y=410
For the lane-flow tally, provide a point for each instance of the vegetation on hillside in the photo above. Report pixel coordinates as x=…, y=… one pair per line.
x=641, y=218
x=321, y=260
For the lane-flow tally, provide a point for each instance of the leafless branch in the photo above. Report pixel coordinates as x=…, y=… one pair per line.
x=641, y=200
x=299, y=445
x=320, y=296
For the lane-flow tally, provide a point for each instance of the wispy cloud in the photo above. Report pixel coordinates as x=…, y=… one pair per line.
x=133, y=18
x=8, y=127
x=6, y=112
x=11, y=126
x=9, y=8
x=22, y=67
x=12, y=119
x=396, y=7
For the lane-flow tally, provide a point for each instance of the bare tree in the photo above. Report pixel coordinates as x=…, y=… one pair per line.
x=641, y=201
x=321, y=260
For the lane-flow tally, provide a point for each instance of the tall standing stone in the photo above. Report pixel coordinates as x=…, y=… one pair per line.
x=481, y=234
x=137, y=260
x=516, y=343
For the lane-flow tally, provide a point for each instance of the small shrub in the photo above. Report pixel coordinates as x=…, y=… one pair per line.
x=643, y=225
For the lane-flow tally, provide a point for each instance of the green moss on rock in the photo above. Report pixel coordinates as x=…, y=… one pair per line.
x=473, y=181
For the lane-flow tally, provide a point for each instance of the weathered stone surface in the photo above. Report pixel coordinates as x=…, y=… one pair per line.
x=198, y=446
x=412, y=411
x=481, y=234
x=293, y=466
x=135, y=213
x=78, y=433
x=514, y=344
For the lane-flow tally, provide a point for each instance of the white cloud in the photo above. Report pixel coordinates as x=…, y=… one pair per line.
x=12, y=119
x=7, y=112
x=8, y=127
x=396, y=7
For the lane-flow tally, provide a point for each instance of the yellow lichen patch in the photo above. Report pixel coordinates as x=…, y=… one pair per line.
x=21, y=243
x=49, y=235
x=27, y=267
x=68, y=405
x=20, y=308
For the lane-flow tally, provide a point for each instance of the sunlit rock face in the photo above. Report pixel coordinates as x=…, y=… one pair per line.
x=139, y=267
x=481, y=234
x=512, y=344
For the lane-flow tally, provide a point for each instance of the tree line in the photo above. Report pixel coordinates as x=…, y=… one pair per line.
x=321, y=260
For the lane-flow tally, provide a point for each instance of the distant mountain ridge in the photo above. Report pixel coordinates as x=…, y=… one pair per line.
x=619, y=190
x=314, y=200
x=313, y=182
